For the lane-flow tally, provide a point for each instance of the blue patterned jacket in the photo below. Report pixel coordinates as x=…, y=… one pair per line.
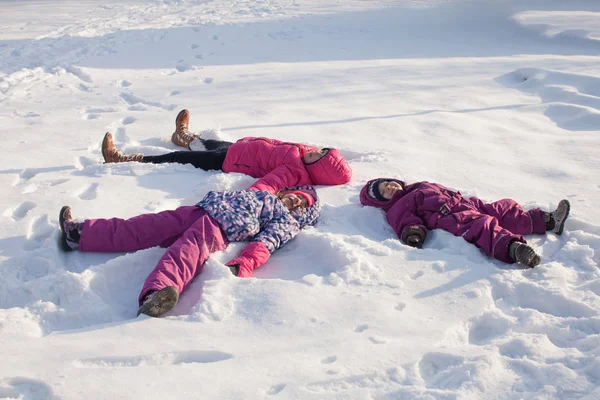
x=259, y=217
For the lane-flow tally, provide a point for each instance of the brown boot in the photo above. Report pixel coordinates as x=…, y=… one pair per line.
x=112, y=155
x=182, y=137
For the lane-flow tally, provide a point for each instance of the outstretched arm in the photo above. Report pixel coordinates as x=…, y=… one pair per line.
x=275, y=235
x=278, y=179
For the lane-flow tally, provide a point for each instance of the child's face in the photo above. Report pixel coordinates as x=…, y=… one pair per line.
x=389, y=188
x=313, y=156
x=292, y=201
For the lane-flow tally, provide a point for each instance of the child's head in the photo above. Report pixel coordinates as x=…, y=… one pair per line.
x=327, y=167
x=379, y=192
x=384, y=189
x=296, y=199
x=303, y=203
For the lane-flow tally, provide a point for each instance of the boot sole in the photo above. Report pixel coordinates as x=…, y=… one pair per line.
x=163, y=302
x=63, y=236
x=559, y=231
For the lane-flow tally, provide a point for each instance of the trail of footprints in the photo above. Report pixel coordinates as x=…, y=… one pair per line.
x=42, y=227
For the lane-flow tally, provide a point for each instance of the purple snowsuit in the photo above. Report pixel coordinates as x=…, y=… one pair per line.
x=491, y=227
x=192, y=233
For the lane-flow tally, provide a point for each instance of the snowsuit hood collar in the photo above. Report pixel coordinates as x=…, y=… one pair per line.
x=306, y=216
x=367, y=198
x=331, y=169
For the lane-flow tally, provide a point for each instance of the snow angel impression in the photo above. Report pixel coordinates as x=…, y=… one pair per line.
x=495, y=228
x=191, y=233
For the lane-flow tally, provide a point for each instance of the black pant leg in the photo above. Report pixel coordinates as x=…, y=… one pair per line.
x=213, y=144
x=206, y=160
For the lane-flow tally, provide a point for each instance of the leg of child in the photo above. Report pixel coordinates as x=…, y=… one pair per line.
x=485, y=232
x=513, y=217
x=184, y=259
x=213, y=144
x=141, y=232
x=206, y=160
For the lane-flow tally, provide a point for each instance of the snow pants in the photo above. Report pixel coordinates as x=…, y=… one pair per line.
x=492, y=227
x=210, y=159
x=188, y=232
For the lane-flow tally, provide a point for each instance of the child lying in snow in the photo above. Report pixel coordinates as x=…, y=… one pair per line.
x=278, y=164
x=495, y=228
x=191, y=233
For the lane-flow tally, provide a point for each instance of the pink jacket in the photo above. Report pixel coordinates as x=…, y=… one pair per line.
x=279, y=164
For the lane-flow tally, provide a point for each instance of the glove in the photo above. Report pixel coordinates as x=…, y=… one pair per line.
x=235, y=269
x=414, y=240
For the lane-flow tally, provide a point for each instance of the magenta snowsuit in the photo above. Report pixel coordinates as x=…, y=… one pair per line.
x=491, y=227
x=279, y=164
x=192, y=233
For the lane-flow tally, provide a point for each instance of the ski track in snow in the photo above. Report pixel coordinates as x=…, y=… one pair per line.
x=531, y=334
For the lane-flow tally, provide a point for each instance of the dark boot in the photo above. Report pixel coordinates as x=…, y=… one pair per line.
x=159, y=303
x=112, y=155
x=182, y=136
x=235, y=269
x=523, y=254
x=70, y=230
x=555, y=220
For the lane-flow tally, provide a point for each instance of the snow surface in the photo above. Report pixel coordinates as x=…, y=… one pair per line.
x=495, y=98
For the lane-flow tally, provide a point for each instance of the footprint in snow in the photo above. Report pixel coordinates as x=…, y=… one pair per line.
x=400, y=306
x=128, y=120
x=35, y=186
x=276, y=389
x=26, y=175
x=85, y=88
x=417, y=275
x=361, y=328
x=19, y=212
x=39, y=230
x=377, y=339
x=26, y=388
x=88, y=192
x=329, y=360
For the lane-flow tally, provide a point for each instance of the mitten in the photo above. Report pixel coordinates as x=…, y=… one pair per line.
x=414, y=240
x=414, y=236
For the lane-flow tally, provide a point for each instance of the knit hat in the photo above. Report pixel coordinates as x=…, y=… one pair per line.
x=305, y=216
x=309, y=199
x=370, y=195
x=331, y=169
x=373, y=189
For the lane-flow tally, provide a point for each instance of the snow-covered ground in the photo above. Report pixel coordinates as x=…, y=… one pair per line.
x=497, y=98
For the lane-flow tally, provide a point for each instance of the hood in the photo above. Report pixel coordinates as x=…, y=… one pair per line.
x=331, y=169
x=367, y=200
x=310, y=215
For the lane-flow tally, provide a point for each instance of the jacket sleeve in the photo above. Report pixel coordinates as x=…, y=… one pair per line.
x=275, y=234
x=278, y=179
x=403, y=216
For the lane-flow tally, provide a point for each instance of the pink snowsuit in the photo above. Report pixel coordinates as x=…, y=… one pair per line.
x=491, y=227
x=279, y=164
x=192, y=233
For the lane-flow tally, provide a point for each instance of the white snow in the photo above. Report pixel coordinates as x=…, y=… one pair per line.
x=497, y=98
